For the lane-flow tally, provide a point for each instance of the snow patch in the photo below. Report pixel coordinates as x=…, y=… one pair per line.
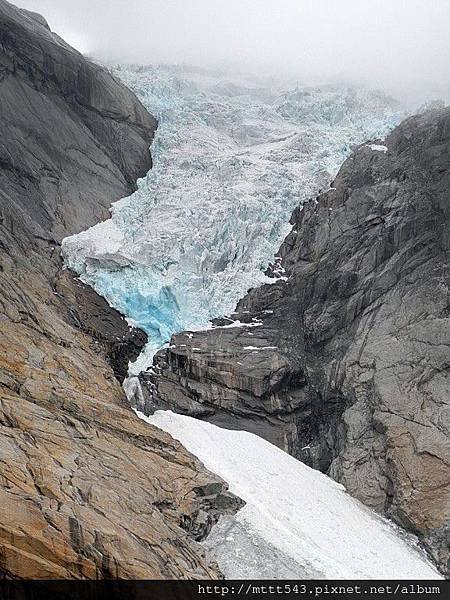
x=260, y=347
x=296, y=510
x=378, y=147
x=238, y=324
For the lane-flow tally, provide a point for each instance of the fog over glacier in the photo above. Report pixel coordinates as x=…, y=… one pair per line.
x=275, y=103
x=402, y=45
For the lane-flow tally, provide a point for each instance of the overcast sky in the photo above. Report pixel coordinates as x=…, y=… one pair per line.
x=398, y=43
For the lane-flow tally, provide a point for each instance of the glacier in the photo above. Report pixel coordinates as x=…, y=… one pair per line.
x=233, y=156
x=297, y=523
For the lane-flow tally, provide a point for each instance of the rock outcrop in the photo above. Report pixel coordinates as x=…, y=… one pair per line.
x=344, y=361
x=86, y=488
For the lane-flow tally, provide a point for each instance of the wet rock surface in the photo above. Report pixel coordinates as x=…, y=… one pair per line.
x=344, y=364
x=86, y=489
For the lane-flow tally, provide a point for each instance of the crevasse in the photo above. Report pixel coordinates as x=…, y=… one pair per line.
x=233, y=155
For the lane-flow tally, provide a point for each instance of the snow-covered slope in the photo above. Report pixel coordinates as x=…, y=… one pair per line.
x=297, y=522
x=232, y=157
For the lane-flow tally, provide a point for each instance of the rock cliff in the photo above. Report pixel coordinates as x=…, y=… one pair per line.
x=86, y=488
x=343, y=360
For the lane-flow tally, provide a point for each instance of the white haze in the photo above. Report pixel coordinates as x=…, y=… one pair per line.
x=401, y=45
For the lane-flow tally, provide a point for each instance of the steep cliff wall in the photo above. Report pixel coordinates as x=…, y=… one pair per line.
x=345, y=363
x=86, y=489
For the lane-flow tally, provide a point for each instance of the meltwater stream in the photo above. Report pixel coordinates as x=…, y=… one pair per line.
x=233, y=155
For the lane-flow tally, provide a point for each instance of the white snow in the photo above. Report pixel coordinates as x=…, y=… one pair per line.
x=295, y=510
x=378, y=147
x=260, y=347
x=238, y=323
x=276, y=279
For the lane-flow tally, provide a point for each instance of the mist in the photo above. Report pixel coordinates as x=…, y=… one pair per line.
x=400, y=45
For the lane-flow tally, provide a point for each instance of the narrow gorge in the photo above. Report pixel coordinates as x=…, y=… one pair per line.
x=227, y=357
x=334, y=358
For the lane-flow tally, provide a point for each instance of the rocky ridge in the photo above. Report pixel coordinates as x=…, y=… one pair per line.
x=343, y=360
x=86, y=489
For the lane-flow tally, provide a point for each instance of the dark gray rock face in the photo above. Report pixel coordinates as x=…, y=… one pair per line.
x=87, y=490
x=72, y=139
x=84, y=309
x=345, y=364
x=63, y=120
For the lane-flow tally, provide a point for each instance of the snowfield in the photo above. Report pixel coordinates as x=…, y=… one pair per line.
x=297, y=522
x=233, y=156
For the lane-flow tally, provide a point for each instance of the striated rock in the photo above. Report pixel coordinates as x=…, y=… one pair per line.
x=345, y=363
x=234, y=377
x=86, y=488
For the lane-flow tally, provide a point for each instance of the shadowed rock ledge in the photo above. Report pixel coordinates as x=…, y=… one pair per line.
x=86, y=488
x=345, y=363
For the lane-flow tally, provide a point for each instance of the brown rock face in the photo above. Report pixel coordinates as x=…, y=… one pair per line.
x=345, y=364
x=86, y=488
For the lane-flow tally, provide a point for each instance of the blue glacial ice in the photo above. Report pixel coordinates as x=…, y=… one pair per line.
x=233, y=155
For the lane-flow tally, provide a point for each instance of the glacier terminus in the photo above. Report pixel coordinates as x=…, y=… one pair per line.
x=233, y=156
